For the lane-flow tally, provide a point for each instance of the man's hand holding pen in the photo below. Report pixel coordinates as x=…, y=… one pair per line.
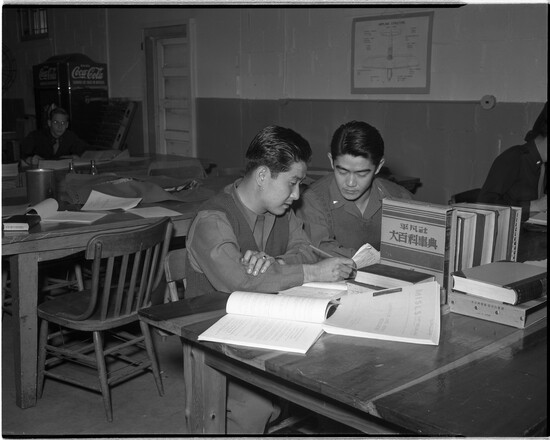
x=329, y=269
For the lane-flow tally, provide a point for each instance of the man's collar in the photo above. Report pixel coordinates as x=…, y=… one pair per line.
x=336, y=197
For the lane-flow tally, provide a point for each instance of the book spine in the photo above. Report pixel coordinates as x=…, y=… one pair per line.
x=23, y=227
x=450, y=246
x=459, y=243
x=495, y=311
x=479, y=238
x=515, y=226
x=529, y=289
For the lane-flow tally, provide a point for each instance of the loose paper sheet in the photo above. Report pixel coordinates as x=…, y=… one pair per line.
x=98, y=201
x=154, y=211
x=365, y=256
x=317, y=290
x=47, y=210
x=410, y=315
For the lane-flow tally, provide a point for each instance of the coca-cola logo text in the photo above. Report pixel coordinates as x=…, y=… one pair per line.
x=87, y=72
x=47, y=73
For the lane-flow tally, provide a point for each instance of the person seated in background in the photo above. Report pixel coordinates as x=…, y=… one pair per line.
x=247, y=238
x=343, y=210
x=518, y=175
x=55, y=141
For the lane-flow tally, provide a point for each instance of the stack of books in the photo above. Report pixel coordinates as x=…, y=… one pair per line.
x=506, y=292
x=442, y=239
x=485, y=233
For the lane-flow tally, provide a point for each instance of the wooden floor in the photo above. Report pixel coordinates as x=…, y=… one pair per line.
x=68, y=411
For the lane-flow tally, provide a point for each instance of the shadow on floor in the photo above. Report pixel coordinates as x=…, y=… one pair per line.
x=68, y=411
x=138, y=410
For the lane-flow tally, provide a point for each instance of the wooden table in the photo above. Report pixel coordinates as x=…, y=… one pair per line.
x=50, y=242
x=483, y=379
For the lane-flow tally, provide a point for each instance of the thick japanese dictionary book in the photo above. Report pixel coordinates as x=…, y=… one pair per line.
x=383, y=276
x=510, y=282
x=420, y=236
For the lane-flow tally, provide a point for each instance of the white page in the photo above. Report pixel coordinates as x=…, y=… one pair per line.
x=540, y=218
x=45, y=208
x=266, y=305
x=336, y=285
x=315, y=292
x=365, y=256
x=154, y=211
x=274, y=334
x=98, y=201
x=73, y=217
x=411, y=315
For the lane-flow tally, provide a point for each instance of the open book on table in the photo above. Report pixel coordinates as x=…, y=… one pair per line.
x=48, y=212
x=293, y=323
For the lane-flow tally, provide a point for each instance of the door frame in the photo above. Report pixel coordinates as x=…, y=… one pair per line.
x=150, y=116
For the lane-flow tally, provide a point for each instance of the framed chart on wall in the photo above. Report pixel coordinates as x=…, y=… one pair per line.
x=391, y=53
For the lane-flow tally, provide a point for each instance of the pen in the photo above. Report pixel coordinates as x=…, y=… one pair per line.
x=386, y=291
x=321, y=252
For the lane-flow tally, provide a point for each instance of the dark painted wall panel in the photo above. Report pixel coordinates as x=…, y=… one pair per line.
x=449, y=145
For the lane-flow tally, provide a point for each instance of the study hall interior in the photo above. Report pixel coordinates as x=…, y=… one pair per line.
x=230, y=71
x=248, y=67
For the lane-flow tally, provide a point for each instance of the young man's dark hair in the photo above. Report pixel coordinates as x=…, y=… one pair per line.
x=277, y=148
x=358, y=138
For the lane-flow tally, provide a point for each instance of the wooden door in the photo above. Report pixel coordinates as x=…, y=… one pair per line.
x=170, y=91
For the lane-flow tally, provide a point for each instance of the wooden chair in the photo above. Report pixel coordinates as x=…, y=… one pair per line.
x=127, y=267
x=64, y=281
x=174, y=271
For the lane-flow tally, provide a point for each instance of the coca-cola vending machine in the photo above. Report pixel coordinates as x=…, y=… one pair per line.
x=76, y=83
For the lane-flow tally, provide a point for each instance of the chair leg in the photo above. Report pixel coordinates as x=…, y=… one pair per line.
x=102, y=369
x=42, y=342
x=152, y=356
x=78, y=275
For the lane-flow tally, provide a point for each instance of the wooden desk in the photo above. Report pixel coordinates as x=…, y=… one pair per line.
x=50, y=242
x=483, y=379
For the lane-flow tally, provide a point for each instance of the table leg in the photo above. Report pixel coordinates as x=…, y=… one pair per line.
x=24, y=290
x=205, y=394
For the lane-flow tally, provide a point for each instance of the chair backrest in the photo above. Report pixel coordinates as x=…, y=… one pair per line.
x=127, y=267
x=174, y=271
x=184, y=167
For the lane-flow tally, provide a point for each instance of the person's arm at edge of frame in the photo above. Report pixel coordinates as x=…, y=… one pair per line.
x=497, y=184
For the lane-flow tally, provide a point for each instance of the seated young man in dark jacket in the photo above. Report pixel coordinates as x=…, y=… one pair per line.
x=248, y=238
x=54, y=141
x=343, y=211
x=518, y=175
